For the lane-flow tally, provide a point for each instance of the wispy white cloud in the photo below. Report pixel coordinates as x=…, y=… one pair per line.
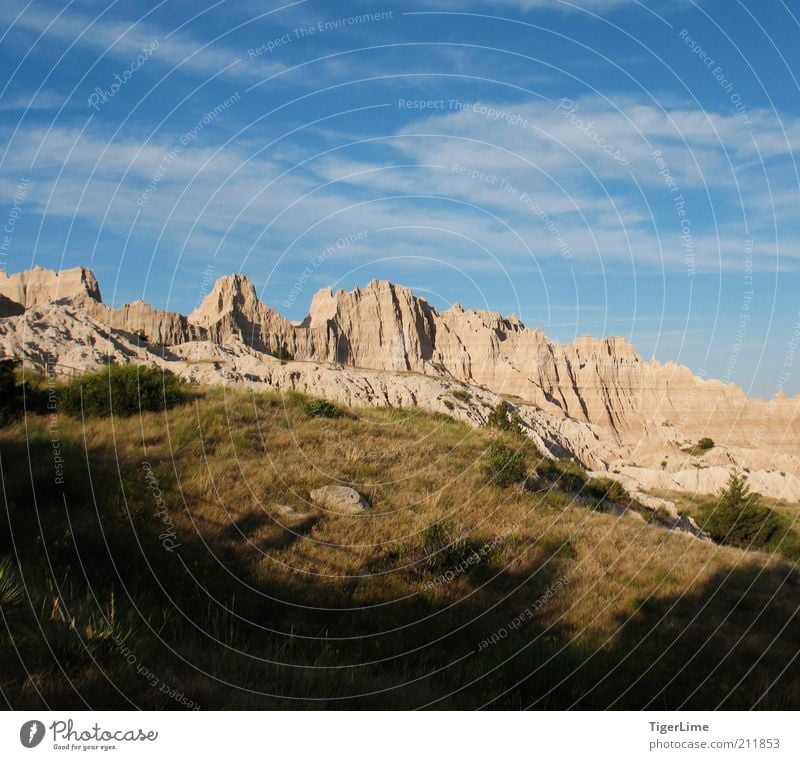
x=41, y=100
x=548, y=192
x=125, y=40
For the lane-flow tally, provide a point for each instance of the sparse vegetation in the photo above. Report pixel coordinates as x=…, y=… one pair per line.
x=462, y=395
x=282, y=353
x=256, y=601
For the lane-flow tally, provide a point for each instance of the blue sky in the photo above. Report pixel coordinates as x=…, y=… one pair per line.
x=611, y=167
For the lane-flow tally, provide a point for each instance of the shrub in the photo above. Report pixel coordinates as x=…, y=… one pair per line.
x=10, y=397
x=436, y=537
x=547, y=468
x=608, y=489
x=122, y=389
x=504, y=466
x=442, y=549
x=571, y=477
x=500, y=419
x=317, y=407
x=739, y=519
x=462, y=395
x=700, y=448
x=564, y=474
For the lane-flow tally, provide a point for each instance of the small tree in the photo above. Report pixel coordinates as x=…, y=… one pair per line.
x=741, y=520
x=704, y=444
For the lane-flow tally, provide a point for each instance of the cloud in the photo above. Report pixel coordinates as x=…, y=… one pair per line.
x=125, y=40
x=505, y=156
x=41, y=100
x=532, y=191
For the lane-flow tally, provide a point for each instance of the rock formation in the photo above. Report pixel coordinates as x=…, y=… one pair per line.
x=78, y=288
x=595, y=400
x=602, y=382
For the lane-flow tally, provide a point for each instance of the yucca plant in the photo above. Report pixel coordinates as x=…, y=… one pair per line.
x=12, y=592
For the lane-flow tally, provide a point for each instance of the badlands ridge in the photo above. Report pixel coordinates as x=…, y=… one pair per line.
x=595, y=400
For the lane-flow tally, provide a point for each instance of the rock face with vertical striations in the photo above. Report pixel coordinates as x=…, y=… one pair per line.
x=600, y=381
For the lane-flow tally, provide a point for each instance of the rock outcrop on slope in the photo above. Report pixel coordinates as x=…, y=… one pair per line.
x=596, y=400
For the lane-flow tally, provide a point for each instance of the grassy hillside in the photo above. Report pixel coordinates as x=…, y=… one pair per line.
x=171, y=560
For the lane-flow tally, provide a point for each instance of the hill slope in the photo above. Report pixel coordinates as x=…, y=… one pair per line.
x=180, y=563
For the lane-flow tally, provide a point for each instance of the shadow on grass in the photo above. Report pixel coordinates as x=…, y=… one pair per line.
x=109, y=617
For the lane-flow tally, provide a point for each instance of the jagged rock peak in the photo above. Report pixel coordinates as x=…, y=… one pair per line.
x=232, y=292
x=326, y=305
x=39, y=286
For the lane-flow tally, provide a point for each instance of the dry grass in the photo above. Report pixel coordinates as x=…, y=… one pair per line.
x=271, y=602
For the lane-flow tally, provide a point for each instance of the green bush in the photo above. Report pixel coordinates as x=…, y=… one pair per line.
x=317, y=407
x=501, y=419
x=504, y=466
x=739, y=519
x=607, y=489
x=462, y=395
x=122, y=389
x=704, y=444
